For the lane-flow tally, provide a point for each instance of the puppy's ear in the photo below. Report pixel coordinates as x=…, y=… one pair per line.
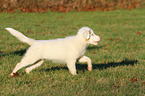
x=87, y=35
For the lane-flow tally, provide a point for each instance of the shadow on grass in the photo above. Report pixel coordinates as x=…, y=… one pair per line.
x=19, y=52
x=110, y=64
x=83, y=67
x=95, y=47
x=54, y=68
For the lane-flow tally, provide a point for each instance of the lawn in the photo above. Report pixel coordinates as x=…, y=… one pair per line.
x=118, y=61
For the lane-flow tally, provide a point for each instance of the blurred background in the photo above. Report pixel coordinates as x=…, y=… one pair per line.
x=68, y=5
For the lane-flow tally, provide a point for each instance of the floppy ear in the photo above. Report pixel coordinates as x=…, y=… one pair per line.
x=87, y=35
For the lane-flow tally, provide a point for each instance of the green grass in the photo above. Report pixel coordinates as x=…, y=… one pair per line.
x=118, y=61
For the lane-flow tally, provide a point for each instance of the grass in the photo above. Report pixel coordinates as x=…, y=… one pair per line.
x=118, y=61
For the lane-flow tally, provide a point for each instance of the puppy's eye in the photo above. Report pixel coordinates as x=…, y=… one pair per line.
x=92, y=34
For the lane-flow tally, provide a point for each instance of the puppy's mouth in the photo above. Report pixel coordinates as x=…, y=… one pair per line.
x=95, y=42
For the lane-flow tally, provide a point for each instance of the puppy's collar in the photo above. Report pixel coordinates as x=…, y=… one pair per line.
x=87, y=39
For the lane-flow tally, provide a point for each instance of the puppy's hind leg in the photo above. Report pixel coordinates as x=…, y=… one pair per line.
x=25, y=62
x=34, y=66
x=87, y=60
x=16, y=69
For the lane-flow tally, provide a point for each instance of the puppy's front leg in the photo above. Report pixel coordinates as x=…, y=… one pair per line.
x=87, y=60
x=71, y=66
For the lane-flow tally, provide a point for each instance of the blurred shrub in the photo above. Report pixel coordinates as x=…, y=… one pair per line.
x=68, y=5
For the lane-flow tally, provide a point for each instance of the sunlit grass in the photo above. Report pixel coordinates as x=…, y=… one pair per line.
x=118, y=60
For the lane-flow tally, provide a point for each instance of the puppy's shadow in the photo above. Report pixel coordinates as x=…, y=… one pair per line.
x=95, y=47
x=54, y=68
x=102, y=66
x=19, y=52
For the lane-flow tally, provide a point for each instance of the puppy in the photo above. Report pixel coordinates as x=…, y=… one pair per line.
x=67, y=50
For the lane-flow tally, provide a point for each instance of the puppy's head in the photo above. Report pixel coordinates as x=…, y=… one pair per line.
x=89, y=35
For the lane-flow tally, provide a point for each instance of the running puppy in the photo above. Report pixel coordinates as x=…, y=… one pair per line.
x=67, y=50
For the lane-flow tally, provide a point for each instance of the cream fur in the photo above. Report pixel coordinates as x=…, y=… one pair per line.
x=66, y=50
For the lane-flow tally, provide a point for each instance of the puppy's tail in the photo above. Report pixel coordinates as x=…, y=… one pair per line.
x=20, y=36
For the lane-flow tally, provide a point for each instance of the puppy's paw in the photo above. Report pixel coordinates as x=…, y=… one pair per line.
x=74, y=73
x=14, y=75
x=90, y=68
x=27, y=70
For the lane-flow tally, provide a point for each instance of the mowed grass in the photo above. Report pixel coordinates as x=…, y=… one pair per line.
x=118, y=61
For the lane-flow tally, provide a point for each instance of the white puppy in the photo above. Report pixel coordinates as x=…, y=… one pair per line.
x=67, y=50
